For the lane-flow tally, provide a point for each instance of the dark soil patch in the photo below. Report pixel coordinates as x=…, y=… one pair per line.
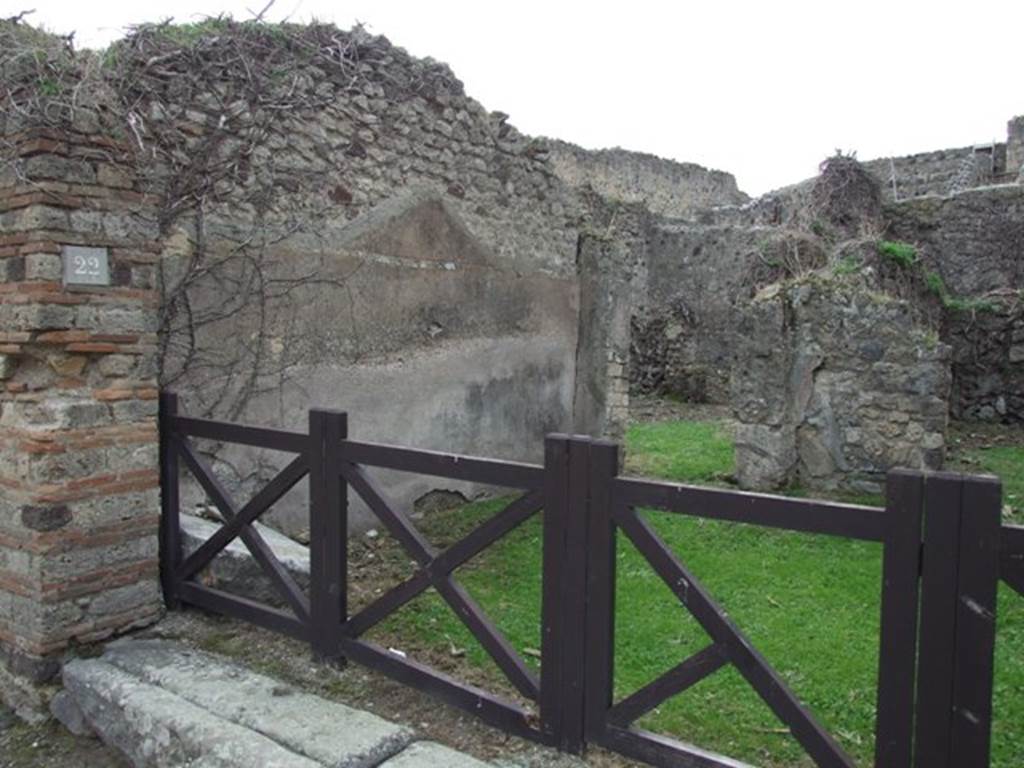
x=50, y=746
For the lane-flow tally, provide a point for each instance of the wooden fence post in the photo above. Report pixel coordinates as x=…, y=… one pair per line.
x=978, y=581
x=955, y=661
x=556, y=493
x=563, y=610
x=328, y=535
x=600, y=648
x=170, y=513
x=897, y=660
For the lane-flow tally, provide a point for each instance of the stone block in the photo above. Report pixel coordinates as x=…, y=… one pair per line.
x=43, y=266
x=57, y=168
x=121, y=509
x=132, y=411
x=117, y=366
x=67, y=712
x=45, y=518
x=817, y=458
x=113, y=176
x=68, y=365
x=81, y=561
x=119, y=320
x=249, y=708
x=766, y=456
x=8, y=365
x=156, y=729
x=427, y=754
x=37, y=317
x=234, y=569
x=56, y=413
x=12, y=269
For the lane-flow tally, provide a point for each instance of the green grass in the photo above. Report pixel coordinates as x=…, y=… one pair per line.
x=684, y=451
x=809, y=604
x=1006, y=461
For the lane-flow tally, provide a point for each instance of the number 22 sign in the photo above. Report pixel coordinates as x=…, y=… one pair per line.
x=85, y=266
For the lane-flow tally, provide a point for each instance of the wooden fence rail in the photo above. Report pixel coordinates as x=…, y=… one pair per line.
x=944, y=552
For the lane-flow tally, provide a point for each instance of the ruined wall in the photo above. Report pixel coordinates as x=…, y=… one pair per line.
x=941, y=172
x=1015, y=149
x=384, y=245
x=78, y=445
x=613, y=281
x=698, y=278
x=988, y=362
x=835, y=384
x=429, y=253
x=665, y=187
x=974, y=242
x=701, y=272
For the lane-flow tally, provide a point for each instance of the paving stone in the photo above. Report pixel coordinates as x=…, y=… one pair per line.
x=157, y=729
x=427, y=754
x=64, y=707
x=327, y=732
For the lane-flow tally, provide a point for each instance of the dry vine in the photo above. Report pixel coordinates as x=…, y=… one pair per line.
x=205, y=108
x=846, y=196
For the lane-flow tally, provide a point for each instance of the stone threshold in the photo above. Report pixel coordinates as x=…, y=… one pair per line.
x=164, y=704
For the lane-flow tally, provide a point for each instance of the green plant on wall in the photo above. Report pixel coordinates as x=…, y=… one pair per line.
x=906, y=256
x=937, y=286
x=903, y=254
x=848, y=265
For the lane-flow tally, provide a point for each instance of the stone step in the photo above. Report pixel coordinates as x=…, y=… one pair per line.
x=156, y=729
x=166, y=705
x=234, y=570
x=426, y=754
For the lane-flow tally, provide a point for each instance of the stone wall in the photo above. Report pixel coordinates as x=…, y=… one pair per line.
x=988, y=362
x=697, y=280
x=398, y=252
x=665, y=187
x=613, y=274
x=939, y=173
x=975, y=242
x=430, y=252
x=1015, y=148
x=834, y=384
x=79, y=500
x=699, y=274
x=388, y=247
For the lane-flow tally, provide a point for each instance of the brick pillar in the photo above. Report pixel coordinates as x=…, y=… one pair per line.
x=79, y=498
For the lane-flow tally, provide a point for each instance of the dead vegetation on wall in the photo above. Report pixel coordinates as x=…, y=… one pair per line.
x=224, y=124
x=197, y=108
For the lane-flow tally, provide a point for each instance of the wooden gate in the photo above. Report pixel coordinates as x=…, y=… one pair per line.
x=943, y=550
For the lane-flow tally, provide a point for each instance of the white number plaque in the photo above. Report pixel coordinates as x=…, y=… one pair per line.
x=86, y=266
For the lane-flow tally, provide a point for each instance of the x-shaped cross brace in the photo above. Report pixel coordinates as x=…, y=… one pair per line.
x=436, y=569
x=238, y=523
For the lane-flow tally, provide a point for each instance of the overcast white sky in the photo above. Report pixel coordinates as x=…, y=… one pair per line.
x=764, y=89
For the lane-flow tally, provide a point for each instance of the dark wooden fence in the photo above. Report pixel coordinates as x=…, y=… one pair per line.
x=944, y=553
